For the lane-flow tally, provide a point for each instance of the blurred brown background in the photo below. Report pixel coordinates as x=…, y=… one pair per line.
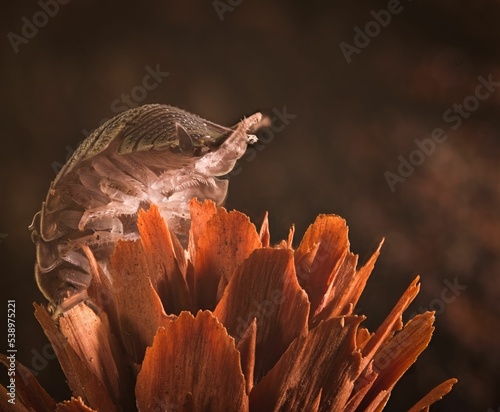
x=353, y=120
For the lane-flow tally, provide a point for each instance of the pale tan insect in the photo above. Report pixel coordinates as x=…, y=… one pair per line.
x=151, y=154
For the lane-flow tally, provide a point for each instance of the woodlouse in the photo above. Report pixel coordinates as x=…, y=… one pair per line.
x=151, y=154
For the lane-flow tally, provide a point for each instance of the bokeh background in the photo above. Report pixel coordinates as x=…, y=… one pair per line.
x=354, y=120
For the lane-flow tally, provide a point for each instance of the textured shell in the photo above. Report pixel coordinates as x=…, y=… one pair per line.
x=145, y=128
x=151, y=154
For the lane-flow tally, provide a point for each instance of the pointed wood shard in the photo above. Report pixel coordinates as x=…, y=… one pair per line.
x=192, y=365
x=228, y=239
x=246, y=347
x=433, y=396
x=81, y=379
x=73, y=405
x=324, y=364
x=265, y=236
x=265, y=287
x=166, y=263
x=138, y=306
x=396, y=356
x=392, y=323
x=327, y=239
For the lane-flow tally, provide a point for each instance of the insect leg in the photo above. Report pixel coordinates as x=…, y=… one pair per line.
x=104, y=213
x=120, y=191
x=106, y=223
x=64, y=288
x=134, y=169
x=86, y=194
x=76, y=278
x=71, y=252
x=70, y=218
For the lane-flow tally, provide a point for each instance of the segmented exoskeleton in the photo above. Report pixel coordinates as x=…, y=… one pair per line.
x=151, y=154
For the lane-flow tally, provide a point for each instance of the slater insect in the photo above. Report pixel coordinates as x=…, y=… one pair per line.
x=151, y=154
